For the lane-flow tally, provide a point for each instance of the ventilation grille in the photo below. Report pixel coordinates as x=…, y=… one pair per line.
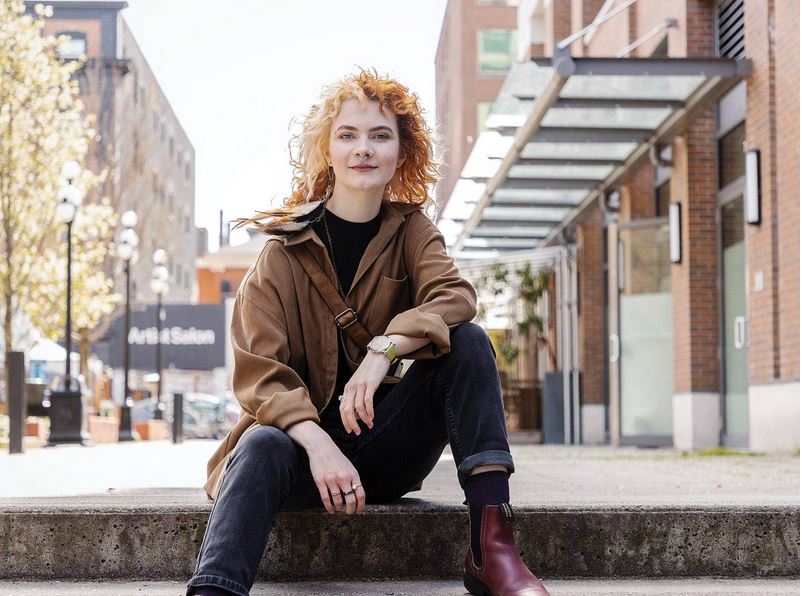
x=730, y=29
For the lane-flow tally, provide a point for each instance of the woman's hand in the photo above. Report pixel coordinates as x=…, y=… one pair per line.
x=358, y=393
x=334, y=473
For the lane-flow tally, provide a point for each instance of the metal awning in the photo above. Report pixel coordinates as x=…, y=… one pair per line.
x=563, y=131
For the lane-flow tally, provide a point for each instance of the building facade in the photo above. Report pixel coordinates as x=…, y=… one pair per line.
x=657, y=144
x=477, y=46
x=150, y=158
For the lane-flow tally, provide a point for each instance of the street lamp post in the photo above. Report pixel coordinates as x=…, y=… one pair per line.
x=126, y=250
x=160, y=285
x=66, y=407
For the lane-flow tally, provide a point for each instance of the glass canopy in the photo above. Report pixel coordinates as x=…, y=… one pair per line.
x=563, y=131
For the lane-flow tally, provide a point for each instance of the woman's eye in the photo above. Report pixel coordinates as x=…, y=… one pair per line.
x=348, y=134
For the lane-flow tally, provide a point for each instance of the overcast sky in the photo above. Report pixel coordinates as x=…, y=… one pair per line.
x=236, y=73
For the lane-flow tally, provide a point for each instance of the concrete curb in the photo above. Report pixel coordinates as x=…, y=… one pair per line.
x=412, y=538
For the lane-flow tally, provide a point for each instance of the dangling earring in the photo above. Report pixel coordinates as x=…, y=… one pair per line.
x=330, y=186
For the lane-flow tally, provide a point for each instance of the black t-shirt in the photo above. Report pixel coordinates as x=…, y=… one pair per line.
x=350, y=240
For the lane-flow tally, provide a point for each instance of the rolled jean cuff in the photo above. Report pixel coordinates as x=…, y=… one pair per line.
x=483, y=458
x=219, y=582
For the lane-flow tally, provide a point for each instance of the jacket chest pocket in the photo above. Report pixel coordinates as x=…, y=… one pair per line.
x=391, y=298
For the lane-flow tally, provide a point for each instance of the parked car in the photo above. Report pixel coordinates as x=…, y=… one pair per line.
x=206, y=416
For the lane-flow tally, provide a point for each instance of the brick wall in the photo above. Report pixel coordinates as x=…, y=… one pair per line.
x=787, y=57
x=460, y=86
x=694, y=281
x=637, y=194
x=590, y=261
x=761, y=241
x=582, y=14
x=558, y=23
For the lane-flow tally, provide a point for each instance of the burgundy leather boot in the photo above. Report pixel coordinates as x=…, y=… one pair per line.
x=499, y=570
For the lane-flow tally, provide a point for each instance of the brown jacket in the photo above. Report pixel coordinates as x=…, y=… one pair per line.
x=284, y=336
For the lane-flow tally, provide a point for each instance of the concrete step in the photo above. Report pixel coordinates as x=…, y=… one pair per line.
x=137, y=535
x=616, y=587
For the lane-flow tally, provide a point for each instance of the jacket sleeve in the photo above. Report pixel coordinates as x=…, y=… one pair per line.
x=264, y=384
x=443, y=298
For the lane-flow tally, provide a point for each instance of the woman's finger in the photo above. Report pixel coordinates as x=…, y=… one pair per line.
x=325, y=498
x=344, y=408
x=350, y=412
x=350, y=498
x=369, y=406
x=361, y=406
x=360, y=498
x=337, y=496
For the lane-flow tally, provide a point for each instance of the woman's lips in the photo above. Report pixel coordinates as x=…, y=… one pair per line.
x=363, y=168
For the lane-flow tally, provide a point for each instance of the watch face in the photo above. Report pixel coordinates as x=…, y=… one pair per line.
x=380, y=343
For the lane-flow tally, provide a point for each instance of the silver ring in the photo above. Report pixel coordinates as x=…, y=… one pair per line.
x=340, y=398
x=348, y=492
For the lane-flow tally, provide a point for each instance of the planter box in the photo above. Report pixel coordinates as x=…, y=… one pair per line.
x=153, y=430
x=103, y=429
x=36, y=427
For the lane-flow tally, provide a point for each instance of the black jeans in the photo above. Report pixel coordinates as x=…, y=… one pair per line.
x=453, y=399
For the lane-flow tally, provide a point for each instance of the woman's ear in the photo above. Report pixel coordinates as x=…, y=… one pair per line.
x=401, y=161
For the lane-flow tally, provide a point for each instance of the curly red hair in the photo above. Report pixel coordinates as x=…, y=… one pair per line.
x=411, y=182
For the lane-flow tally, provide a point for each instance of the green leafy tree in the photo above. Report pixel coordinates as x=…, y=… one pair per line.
x=42, y=126
x=93, y=299
x=529, y=287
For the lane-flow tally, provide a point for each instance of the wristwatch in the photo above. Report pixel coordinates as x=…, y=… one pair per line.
x=383, y=344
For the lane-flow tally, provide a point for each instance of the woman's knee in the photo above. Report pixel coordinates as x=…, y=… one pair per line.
x=468, y=340
x=267, y=443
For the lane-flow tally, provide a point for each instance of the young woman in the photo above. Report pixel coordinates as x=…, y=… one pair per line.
x=324, y=421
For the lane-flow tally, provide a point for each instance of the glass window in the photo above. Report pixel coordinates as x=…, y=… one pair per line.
x=731, y=156
x=75, y=47
x=496, y=50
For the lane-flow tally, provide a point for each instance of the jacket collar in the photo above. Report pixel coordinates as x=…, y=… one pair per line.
x=393, y=216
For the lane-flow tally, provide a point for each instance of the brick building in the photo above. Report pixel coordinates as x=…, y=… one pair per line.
x=476, y=49
x=150, y=156
x=657, y=144
x=220, y=273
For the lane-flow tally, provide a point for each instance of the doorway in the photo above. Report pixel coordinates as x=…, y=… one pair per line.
x=734, y=376
x=642, y=335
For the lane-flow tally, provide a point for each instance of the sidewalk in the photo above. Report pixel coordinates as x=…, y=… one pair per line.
x=685, y=587
x=545, y=475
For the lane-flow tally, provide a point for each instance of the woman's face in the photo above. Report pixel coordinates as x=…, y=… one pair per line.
x=364, y=147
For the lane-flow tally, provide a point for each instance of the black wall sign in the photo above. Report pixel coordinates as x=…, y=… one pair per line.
x=193, y=338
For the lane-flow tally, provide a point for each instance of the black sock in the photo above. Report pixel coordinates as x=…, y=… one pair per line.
x=485, y=488
x=209, y=591
x=488, y=488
